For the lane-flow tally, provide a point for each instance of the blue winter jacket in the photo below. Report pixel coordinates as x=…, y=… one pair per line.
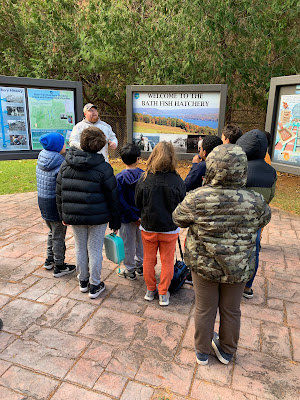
x=195, y=177
x=127, y=180
x=47, y=168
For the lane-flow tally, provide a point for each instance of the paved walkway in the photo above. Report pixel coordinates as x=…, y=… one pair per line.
x=58, y=344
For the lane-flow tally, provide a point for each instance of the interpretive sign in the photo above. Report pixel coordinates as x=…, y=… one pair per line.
x=30, y=108
x=13, y=119
x=50, y=111
x=283, y=122
x=181, y=115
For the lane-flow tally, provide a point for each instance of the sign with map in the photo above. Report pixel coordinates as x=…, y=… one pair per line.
x=287, y=142
x=50, y=111
x=182, y=118
x=13, y=119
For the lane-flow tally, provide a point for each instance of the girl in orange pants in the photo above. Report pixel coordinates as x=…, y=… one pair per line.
x=157, y=194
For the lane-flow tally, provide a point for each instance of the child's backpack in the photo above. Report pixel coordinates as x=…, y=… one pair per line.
x=181, y=271
x=114, y=248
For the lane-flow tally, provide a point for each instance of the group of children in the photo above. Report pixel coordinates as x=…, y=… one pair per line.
x=148, y=207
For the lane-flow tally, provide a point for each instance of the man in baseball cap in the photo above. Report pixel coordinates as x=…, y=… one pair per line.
x=91, y=118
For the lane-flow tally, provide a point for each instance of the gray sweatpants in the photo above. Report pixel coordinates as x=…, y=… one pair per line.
x=56, y=247
x=131, y=235
x=88, y=247
x=210, y=296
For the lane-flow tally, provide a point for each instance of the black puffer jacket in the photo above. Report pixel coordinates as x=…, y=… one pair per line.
x=86, y=190
x=261, y=176
x=157, y=197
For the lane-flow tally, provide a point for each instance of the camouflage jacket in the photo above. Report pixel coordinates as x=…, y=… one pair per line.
x=223, y=218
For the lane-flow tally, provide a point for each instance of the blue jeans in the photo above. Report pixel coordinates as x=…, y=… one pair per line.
x=250, y=283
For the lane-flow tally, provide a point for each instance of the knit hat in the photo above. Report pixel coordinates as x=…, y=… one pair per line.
x=52, y=141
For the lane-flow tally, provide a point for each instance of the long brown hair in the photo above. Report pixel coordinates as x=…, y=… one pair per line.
x=162, y=159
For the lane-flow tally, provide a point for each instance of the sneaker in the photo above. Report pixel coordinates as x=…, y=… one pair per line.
x=65, y=269
x=164, y=299
x=139, y=271
x=125, y=273
x=189, y=280
x=95, y=290
x=49, y=263
x=150, y=294
x=248, y=294
x=201, y=358
x=221, y=355
x=84, y=286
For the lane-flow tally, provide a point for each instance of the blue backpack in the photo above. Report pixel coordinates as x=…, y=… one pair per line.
x=181, y=272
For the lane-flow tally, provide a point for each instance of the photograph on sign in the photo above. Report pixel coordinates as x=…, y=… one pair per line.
x=50, y=111
x=182, y=118
x=13, y=120
x=287, y=141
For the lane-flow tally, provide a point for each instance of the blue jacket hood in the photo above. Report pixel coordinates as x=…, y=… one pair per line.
x=49, y=160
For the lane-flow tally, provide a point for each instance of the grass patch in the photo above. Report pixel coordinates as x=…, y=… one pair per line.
x=287, y=195
x=17, y=176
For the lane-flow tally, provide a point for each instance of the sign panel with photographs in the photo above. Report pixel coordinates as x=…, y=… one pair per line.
x=50, y=111
x=13, y=119
x=180, y=114
x=287, y=141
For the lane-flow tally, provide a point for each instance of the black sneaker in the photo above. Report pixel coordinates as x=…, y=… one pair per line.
x=248, y=294
x=65, y=269
x=223, y=357
x=49, y=263
x=201, y=358
x=1, y=324
x=95, y=290
x=139, y=271
x=84, y=286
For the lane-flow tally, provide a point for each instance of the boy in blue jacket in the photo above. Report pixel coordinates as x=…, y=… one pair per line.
x=130, y=214
x=48, y=165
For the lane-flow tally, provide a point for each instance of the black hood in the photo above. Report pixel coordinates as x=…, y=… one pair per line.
x=254, y=143
x=81, y=160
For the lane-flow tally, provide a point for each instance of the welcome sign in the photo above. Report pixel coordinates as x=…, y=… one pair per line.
x=181, y=115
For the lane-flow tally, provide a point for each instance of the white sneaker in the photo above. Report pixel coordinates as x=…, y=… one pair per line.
x=164, y=299
x=150, y=294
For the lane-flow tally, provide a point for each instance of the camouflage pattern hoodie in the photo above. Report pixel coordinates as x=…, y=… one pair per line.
x=223, y=218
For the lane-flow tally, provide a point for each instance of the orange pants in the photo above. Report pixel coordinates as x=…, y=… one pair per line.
x=166, y=244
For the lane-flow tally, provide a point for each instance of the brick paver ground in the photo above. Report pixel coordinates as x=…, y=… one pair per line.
x=58, y=344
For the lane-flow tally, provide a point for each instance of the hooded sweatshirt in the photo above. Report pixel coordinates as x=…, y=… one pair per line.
x=127, y=180
x=105, y=128
x=261, y=176
x=86, y=191
x=223, y=218
x=47, y=168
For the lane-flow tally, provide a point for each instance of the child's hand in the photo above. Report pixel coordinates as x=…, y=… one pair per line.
x=196, y=159
x=138, y=222
x=63, y=222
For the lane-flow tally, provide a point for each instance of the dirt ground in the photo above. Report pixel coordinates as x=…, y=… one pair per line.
x=287, y=195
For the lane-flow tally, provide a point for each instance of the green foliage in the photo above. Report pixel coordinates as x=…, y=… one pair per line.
x=109, y=44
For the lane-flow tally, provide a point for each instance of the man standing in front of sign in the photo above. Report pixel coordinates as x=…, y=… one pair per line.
x=91, y=118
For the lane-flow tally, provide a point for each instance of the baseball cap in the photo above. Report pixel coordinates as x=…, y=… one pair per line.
x=88, y=106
